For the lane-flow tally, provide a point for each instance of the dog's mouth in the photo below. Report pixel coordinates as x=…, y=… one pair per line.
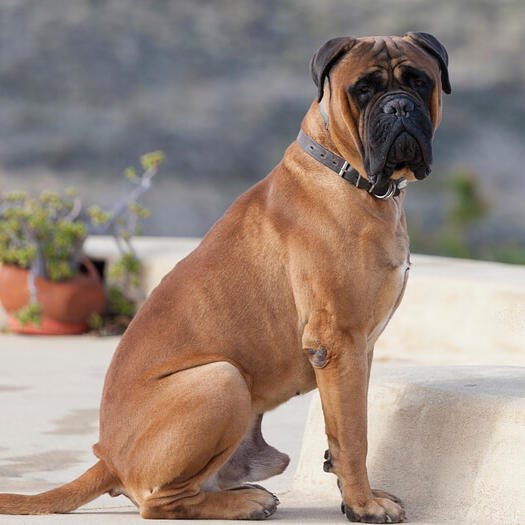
x=405, y=152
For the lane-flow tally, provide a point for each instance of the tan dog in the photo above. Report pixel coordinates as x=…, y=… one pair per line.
x=287, y=292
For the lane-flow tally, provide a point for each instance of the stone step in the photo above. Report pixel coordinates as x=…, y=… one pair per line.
x=449, y=441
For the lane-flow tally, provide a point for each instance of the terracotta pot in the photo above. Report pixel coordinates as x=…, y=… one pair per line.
x=66, y=306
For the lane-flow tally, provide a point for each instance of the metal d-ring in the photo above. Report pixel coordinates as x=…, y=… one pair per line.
x=389, y=192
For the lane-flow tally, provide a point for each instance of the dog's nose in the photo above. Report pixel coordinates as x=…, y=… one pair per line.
x=401, y=107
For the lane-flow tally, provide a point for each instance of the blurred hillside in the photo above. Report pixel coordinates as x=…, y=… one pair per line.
x=221, y=86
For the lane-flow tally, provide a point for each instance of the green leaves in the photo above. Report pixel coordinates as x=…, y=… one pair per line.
x=124, y=292
x=127, y=264
x=152, y=159
x=31, y=313
x=15, y=196
x=138, y=210
x=46, y=233
x=95, y=321
x=40, y=227
x=98, y=216
x=131, y=174
x=119, y=304
x=469, y=205
x=456, y=233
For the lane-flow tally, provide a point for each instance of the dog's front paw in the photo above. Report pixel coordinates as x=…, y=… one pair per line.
x=376, y=510
x=386, y=495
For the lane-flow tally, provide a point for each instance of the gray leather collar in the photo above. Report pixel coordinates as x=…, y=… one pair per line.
x=391, y=188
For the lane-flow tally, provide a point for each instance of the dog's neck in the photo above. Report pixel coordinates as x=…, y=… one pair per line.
x=315, y=126
x=332, y=188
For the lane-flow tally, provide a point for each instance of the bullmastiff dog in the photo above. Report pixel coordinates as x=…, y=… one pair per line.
x=289, y=291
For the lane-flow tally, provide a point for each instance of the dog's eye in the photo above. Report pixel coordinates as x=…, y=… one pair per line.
x=362, y=91
x=417, y=80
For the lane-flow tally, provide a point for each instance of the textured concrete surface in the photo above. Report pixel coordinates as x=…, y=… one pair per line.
x=461, y=312
x=448, y=441
x=50, y=389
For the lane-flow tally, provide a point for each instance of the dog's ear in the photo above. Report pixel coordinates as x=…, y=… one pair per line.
x=434, y=47
x=326, y=57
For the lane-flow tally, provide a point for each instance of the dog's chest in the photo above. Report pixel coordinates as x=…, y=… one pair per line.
x=389, y=299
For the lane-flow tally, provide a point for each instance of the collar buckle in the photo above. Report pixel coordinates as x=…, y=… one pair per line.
x=342, y=171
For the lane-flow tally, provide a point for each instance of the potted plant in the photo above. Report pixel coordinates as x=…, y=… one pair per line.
x=47, y=284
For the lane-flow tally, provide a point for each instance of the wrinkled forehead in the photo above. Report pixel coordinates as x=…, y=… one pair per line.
x=385, y=53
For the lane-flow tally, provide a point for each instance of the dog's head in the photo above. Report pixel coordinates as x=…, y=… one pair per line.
x=383, y=100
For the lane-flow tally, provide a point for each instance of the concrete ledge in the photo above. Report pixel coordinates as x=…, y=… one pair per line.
x=449, y=441
x=158, y=254
x=459, y=312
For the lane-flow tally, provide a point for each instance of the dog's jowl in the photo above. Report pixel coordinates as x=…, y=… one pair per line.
x=289, y=291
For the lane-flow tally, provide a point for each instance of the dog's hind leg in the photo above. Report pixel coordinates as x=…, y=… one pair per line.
x=250, y=503
x=253, y=460
x=193, y=421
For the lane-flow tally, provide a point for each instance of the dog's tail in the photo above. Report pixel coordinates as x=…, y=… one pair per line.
x=93, y=483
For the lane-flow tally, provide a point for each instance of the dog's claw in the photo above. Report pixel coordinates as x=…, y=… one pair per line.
x=268, y=511
x=257, y=486
x=327, y=465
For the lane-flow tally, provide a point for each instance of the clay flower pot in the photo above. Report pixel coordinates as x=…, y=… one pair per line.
x=66, y=306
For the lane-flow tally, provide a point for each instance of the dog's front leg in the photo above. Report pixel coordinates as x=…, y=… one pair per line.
x=341, y=363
